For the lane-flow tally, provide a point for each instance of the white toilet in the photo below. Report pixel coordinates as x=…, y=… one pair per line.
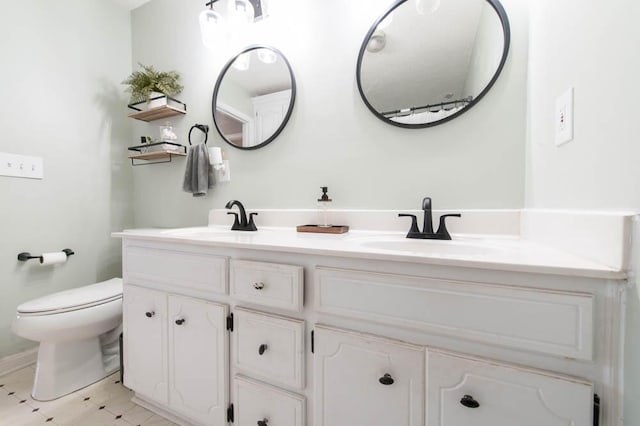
x=78, y=331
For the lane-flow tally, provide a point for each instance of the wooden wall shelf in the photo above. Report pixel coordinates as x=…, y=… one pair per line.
x=153, y=157
x=157, y=113
x=167, y=156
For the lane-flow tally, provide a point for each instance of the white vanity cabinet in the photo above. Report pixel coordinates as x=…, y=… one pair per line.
x=175, y=352
x=219, y=334
x=557, y=323
x=364, y=380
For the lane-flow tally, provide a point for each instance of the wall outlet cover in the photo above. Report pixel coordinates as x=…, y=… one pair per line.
x=563, y=118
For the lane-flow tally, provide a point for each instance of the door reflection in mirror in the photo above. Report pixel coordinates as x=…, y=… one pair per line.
x=254, y=97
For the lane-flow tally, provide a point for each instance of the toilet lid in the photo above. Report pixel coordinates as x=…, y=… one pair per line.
x=90, y=295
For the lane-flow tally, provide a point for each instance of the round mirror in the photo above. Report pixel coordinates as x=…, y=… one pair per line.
x=253, y=97
x=425, y=62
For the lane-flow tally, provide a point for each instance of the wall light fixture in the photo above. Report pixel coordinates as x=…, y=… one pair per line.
x=213, y=25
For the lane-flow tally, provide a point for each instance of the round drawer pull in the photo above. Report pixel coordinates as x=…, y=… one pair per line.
x=180, y=321
x=262, y=349
x=150, y=314
x=469, y=402
x=386, y=380
x=263, y=422
x=258, y=285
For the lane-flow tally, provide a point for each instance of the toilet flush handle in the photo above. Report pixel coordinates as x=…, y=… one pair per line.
x=150, y=314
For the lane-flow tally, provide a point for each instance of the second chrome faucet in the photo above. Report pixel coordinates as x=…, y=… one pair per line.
x=427, y=224
x=241, y=223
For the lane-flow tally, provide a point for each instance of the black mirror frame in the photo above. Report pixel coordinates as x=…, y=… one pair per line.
x=502, y=14
x=219, y=82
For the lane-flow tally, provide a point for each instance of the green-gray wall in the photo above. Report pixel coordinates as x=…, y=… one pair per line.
x=62, y=63
x=592, y=46
x=332, y=139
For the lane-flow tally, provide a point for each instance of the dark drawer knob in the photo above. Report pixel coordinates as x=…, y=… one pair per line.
x=386, y=380
x=150, y=314
x=263, y=422
x=262, y=349
x=469, y=402
x=180, y=321
x=258, y=285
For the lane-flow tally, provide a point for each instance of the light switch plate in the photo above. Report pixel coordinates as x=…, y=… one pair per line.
x=23, y=166
x=563, y=117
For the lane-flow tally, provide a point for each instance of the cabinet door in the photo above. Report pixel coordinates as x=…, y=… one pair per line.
x=363, y=380
x=145, y=342
x=465, y=392
x=198, y=348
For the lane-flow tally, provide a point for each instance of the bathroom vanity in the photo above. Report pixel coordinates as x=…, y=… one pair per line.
x=277, y=328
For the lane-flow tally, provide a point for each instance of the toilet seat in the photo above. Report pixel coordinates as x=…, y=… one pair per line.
x=74, y=299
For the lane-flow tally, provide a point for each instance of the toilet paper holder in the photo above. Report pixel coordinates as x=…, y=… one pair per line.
x=24, y=256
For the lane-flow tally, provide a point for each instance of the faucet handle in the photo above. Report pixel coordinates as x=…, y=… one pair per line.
x=442, y=228
x=236, y=222
x=414, y=224
x=251, y=226
x=426, y=203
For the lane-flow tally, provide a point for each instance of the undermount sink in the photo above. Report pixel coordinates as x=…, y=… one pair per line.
x=433, y=247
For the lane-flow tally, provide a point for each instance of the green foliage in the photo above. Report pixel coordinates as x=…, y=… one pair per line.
x=143, y=83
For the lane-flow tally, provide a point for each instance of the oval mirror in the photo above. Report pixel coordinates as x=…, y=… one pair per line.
x=425, y=62
x=253, y=98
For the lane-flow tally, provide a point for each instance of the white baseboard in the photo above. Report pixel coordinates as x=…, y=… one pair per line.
x=137, y=399
x=15, y=362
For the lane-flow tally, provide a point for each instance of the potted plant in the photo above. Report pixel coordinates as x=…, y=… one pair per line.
x=147, y=84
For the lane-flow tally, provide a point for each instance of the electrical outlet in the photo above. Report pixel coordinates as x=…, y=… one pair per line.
x=564, y=118
x=23, y=166
x=224, y=174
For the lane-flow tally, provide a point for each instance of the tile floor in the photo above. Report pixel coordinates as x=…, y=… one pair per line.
x=104, y=403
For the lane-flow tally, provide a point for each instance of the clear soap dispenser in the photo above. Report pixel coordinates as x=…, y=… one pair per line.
x=324, y=202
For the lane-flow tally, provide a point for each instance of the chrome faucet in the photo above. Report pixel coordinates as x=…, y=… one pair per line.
x=427, y=224
x=241, y=223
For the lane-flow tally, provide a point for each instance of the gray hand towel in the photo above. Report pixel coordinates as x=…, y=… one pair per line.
x=198, y=176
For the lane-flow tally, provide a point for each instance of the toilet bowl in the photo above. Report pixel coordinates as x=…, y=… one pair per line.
x=78, y=332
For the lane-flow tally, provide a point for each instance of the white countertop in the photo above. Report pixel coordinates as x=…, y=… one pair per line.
x=485, y=252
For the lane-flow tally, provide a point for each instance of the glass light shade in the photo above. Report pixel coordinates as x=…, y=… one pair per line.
x=377, y=42
x=211, y=27
x=242, y=62
x=267, y=56
x=265, y=8
x=431, y=6
x=240, y=12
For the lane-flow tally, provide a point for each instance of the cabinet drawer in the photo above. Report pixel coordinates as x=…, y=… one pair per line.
x=269, y=347
x=197, y=271
x=267, y=284
x=551, y=322
x=467, y=391
x=257, y=402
